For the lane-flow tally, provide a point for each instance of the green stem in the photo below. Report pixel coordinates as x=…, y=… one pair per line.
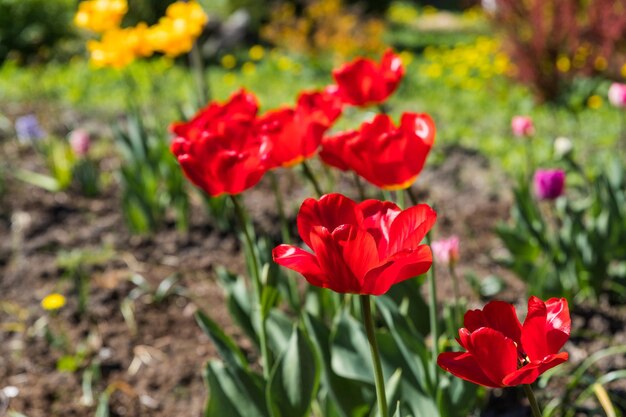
x=529, y=156
x=311, y=177
x=359, y=187
x=434, y=323
x=195, y=59
x=455, y=291
x=256, y=284
x=284, y=232
x=280, y=204
x=412, y=196
x=378, y=370
x=533, y=401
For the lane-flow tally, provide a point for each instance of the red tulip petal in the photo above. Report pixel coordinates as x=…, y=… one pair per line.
x=402, y=266
x=558, y=323
x=300, y=261
x=359, y=252
x=409, y=228
x=464, y=366
x=329, y=253
x=529, y=373
x=420, y=125
x=334, y=151
x=497, y=315
x=377, y=219
x=494, y=353
x=330, y=211
x=534, y=331
x=546, y=328
x=465, y=338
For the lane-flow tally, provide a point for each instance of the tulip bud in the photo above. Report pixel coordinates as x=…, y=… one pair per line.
x=562, y=147
x=446, y=251
x=80, y=142
x=617, y=95
x=549, y=184
x=522, y=126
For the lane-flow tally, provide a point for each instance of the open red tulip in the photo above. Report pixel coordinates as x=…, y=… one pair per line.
x=501, y=352
x=218, y=149
x=296, y=134
x=387, y=156
x=360, y=248
x=363, y=82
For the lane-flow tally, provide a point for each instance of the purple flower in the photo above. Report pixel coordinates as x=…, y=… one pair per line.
x=549, y=183
x=522, y=126
x=446, y=251
x=28, y=129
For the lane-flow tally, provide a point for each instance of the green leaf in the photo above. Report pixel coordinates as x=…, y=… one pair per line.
x=278, y=327
x=39, y=180
x=294, y=379
x=234, y=392
x=350, y=350
x=238, y=301
x=226, y=347
x=348, y=397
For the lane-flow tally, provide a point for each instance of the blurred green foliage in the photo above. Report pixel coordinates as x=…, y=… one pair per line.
x=31, y=28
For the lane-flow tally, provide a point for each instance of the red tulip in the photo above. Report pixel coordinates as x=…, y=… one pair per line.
x=500, y=352
x=295, y=134
x=387, y=156
x=363, y=82
x=218, y=149
x=360, y=248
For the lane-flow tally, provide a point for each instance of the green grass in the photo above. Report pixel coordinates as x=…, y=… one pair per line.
x=477, y=119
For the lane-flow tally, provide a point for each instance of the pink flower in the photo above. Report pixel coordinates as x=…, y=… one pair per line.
x=617, y=95
x=549, y=183
x=446, y=251
x=80, y=141
x=522, y=126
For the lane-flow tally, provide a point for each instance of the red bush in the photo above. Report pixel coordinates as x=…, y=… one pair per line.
x=552, y=41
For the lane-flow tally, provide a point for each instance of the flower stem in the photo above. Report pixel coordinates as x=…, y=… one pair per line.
x=458, y=319
x=434, y=323
x=256, y=284
x=378, y=370
x=533, y=401
x=311, y=177
x=359, y=187
x=195, y=59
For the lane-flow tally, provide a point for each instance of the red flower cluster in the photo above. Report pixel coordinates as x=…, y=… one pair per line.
x=226, y=148
x=501, y=352
x=296, y=134
x=360, y=248
x=363, y=82
x=218, y=149
x=387, y=156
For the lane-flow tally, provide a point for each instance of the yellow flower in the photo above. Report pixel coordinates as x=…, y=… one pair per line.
x=563, y=63
x=53, y=302
x=119, y=47
x=594, y=102
x=100, y=15
x=228, y=61
x=176, y=32
x=623, y=71
x=248, y=68
x=256, y=53
x=600, y=63
x=189, y=14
